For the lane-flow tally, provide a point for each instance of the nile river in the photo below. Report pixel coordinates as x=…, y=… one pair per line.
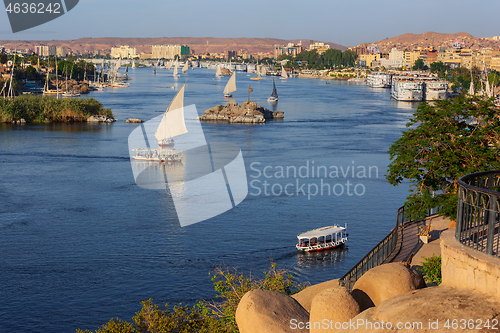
x=81, y=243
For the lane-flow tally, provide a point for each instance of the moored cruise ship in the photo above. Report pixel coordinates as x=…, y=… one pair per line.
x=407, y=89
x=379, y=80
x=436, y=90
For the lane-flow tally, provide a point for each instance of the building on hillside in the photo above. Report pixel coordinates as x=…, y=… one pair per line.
x=360, y=49
x=411, y=57
x=429, y=57
x=452, y=57
x=319, y=47
x=231, y=55
x=45, y=50
x=61, y=51
x=366, y=60
x=169, y=51
x=289, y=49
x=495, y=61
x=124, y=52
x=396, y=59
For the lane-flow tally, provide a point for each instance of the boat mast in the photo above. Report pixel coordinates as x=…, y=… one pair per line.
x=57, y=82
x=10, y=93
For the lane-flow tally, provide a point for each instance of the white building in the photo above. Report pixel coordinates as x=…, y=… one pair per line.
x=123, y=52
x=396, y=59
x=45, y=50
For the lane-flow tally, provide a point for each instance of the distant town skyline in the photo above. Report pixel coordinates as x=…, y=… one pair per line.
x=344, y=23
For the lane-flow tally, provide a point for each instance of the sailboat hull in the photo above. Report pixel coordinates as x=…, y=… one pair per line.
x=228, y=95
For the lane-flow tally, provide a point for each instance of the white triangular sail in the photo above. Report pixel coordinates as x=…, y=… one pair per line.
x=176, y=66
x=118, y=65
x=218, y=73
x=172, y=123
x=231, y=84
x=471, y=88
x=186, y=67
x=488, y=90
x=284, y=75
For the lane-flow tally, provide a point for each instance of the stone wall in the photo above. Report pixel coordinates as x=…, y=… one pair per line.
x=465, y=268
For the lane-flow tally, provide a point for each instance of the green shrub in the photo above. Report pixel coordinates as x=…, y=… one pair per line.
x=217, y=316
x=431, y=270
x=42, y=109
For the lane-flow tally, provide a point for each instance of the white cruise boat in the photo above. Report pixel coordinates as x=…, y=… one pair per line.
x=407, y=89
x=379, y=80
x=322, y=239
x=436, y=90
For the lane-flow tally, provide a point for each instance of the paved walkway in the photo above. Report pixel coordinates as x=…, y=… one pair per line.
x=438, y=225
x=412, y=243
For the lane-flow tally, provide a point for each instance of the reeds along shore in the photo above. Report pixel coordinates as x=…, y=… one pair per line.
x=46, y=109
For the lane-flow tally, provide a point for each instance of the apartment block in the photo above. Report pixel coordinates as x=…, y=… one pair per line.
x=123, y=52
x=289, y=49
x=169, y=51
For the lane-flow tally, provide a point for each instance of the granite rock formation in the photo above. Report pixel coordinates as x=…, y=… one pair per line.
x=247, y=112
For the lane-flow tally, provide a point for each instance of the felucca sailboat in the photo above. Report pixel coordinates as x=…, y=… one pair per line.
x=230, y=86
x=218, y=73
x=274, y=94
x=172, y=124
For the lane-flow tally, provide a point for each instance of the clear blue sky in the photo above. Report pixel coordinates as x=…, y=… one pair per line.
x=346, y=22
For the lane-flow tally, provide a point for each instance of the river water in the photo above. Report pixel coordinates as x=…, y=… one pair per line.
x=81, y=243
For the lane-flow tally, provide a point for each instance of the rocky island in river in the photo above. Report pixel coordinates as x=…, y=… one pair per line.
x=248, y=112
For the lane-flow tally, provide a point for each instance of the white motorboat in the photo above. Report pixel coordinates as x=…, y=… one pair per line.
x=322, y=239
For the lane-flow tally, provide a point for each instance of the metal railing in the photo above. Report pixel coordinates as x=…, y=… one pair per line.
x=478, y=212
x=388, y=247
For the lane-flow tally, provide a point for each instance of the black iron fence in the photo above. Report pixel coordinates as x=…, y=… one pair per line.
x=478, y=211
x=388, y=247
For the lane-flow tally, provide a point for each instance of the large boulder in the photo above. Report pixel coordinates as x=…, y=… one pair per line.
x=330, y=309
x=266, y=311
x=133, y=121
x=434, y=309
x=385, y=281
x=306, y=296
x=100, y=119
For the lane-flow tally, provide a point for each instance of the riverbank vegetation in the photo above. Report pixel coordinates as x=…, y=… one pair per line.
x=216, y=316
x=331, y=58
x=33, y=68
x=46, y=109
x=461, y=77
x=445, y=141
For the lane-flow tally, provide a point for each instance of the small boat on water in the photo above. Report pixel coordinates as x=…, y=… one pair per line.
x=70, y=94
x=322, y=239
x=274, y=94
x=230, y=86
x=284, y=75
x=218, y=73
x=258, y=78
x=120, y=85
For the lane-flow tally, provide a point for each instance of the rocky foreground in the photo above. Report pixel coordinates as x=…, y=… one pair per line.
x=248, y=112
x=388, y=298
